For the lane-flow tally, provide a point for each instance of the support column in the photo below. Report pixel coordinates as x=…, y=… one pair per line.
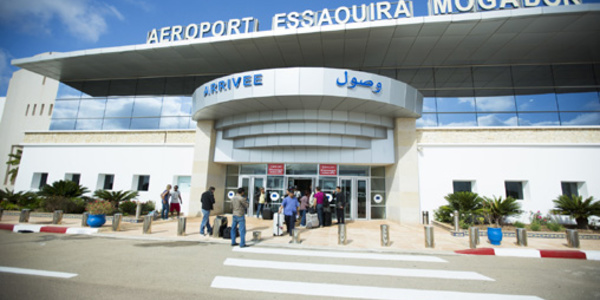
x=402, y=178
x=205, y=172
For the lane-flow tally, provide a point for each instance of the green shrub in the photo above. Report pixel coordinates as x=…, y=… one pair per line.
x=554, y=226
x=67, y=205
x=6, y=205
x=128, y=207
x=443, y=214
x=147, y=207
x=535, y=226
x=519, y=224
x=463, y=225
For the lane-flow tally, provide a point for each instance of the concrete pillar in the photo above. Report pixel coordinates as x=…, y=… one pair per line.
x=402, y=178
x=205, y=172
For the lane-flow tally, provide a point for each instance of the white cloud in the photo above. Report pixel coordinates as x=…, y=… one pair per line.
x=494, y=120
x=584, y=119
x=85, y=19
x=506, y=103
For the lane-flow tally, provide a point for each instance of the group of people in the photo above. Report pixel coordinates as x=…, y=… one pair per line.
x=171, y=201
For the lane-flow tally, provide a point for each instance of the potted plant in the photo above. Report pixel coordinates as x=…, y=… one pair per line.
x=578, y=208
x=496, y=209
x=98, y=210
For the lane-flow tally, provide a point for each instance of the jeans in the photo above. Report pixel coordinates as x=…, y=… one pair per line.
x=205, y=222
x=303, y=217
x=165, y=210
x=290, y=221
x=260, y=208
x=242, y=222
x=320, y=213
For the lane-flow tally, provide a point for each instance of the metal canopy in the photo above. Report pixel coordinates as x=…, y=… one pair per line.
x=541, y=35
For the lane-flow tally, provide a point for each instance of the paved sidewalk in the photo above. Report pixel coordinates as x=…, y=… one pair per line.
x=360, y=235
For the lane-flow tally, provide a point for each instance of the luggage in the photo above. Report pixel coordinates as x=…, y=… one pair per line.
x=327, y=218
x=312, y=220
x=226, y=232
x=278, y=224
x=219, y=225
x=267, y=213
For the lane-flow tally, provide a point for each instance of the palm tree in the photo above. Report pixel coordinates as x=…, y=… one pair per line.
x=115, y=196
x=575, y=206
x=63, y=188
x=14, y=160
x=468, y=205
x=497, y=208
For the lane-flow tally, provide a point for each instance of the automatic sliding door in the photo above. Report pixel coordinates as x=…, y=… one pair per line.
x=361, y=197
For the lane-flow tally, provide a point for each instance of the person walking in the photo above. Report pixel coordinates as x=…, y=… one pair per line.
x=175, y=201
x=319, y=200
x=165, y=202
x=261, y=202
x=207, y=199
x=289, y=208
x=340, y=204
x=303, y=207
x=240, y=205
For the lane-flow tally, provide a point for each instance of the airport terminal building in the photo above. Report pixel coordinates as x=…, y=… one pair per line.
x=496, y=97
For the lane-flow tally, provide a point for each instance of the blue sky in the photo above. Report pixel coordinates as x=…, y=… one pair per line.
x=30, y=27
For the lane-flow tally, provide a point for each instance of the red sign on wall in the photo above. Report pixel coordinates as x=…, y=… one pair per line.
x=328, y=170
x=275, y=169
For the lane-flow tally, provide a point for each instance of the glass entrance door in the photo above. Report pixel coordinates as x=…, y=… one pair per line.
x=252, y=185
x=356, y=190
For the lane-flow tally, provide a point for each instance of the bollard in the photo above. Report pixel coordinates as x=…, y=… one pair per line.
x=385, y=235
x=456, y=222
x=295, y=236
x=572, y=238
x=138, y=211
x=473, y=237
x=84, y=218
x=1, y=212
x=522, y=237
x=24, y=217
x=147, y=225
x=116, y=222
x=429, y=238
x=181, y=223
x=57, y=217
x=341, y=234
x=256, y=235
x=426, y=218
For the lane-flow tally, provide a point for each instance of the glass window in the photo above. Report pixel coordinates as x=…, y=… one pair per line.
x=67, y=92
x=301, y=169
x=532, y=76
x=39, y=180
x=92, y=108
x=497, y=119
x=453, y=78
x=345, y=170
x=570, y=188
x=457, y=120
x=174, y=122
x=144, y=123
x=485, y=77
x=65, y=109
x=116, y=124
x=73, y=177
x=95, y=89
x=429, y=104
x=62, y=124
x=377, y=212
x=119, y=107
x=496, y=103
x=151, y=86
x=427, y=120
x=579, y=119
x=147, y=107
x=108, y=181
x=514, y=189
x=539, y=119
x=461, y=104
x=256, y=169
x=539, y=102
x=275, y=182
x=573, y=75
x=88, y=124
x=377, y=171
x=328, y=184
x=143, y=182
x=177, y=106
x=587, y=101
x=122, y=87
x=461, y=186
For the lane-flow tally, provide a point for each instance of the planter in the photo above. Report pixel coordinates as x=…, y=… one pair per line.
x=494, y=235
x=96, y=221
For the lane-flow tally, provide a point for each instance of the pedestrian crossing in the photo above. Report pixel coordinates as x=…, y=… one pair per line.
x=291, y=286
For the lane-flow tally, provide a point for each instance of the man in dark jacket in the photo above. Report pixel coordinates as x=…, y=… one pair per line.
x=208, y=199
x=340, y=204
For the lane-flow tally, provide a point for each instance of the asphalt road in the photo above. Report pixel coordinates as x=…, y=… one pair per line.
x=134, y=269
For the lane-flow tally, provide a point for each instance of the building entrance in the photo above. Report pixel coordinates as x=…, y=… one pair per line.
x=302, y=184
x=252, y=185
x=356, y=190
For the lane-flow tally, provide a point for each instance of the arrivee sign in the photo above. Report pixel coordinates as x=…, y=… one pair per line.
x=275, y=169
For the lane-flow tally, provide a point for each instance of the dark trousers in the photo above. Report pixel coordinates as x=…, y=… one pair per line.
x=290, y=221
x=340, y=215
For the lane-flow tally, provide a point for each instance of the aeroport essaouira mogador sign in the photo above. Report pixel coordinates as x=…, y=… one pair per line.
x=384, y=10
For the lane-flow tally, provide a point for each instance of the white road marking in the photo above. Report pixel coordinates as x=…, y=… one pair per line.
x=27, y=227
x=518, y=252
x=351, y=291
x=345, y=269
x=592, y=255
x=36, y=272
x=334, y=254
x=81, y=230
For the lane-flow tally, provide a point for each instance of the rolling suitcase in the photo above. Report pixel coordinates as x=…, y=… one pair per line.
x=312, y=220
x=327, y=218
x=267, y=213
x=278, y=224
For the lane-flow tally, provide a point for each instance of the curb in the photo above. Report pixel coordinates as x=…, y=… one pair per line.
x=534, y=253
x=23, y=228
